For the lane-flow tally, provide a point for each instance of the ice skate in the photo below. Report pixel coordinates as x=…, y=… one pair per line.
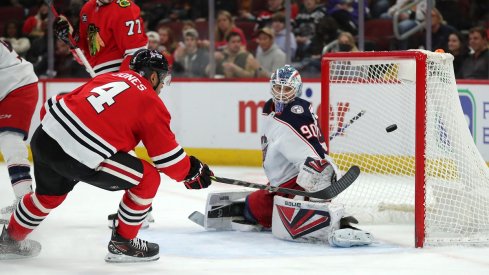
x=7, y=211
x=122, y=250
x=11, y=249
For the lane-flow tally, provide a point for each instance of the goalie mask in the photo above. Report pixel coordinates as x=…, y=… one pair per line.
x=146, y=61
x=286, y=85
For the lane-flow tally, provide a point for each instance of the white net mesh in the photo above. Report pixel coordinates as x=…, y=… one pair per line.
x=456, y=176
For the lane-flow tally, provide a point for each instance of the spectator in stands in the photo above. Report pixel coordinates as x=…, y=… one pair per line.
x=224, y=26
x=263, y=17
x=459, y=50
x=64, y=63
x=278, y=26
x=191, y=60
x=153, y=40
x=154, y=44
x=408, y=19
x=12, y=36
x=35, y=26
x=268, y=54
x=345, y=12
x=167, y=39
x=346, y=42
x=440, y=31
x=399, y=4
x=234, y=61
x=306, y=24
x=327, y=32
x=476, y=66
x=379, y=7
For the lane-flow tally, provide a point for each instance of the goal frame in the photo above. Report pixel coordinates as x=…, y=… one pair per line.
x=420, y=120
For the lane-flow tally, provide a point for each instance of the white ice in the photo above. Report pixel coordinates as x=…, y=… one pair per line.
x=75, y=235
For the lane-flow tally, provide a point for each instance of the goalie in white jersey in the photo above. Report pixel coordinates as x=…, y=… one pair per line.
x=18, y=99
x=295, y=157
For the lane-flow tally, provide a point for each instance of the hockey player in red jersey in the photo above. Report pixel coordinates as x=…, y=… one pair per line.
x=86, y=136
x=109, y=33
x=18, y=99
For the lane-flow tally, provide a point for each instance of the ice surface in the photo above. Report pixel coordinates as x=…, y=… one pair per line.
x=75, y=236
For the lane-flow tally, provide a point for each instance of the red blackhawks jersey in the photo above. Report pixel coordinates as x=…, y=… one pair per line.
x=109, y=33
x=114, y=112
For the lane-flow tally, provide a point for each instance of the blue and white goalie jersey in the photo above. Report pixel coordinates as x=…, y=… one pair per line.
x=288, y=138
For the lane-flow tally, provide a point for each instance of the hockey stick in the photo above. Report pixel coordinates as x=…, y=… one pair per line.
x=342, y=129
x=72, y=43
x=227, y=210
x=328, y=193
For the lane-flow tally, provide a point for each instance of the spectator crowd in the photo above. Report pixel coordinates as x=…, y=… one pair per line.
x=250, y=36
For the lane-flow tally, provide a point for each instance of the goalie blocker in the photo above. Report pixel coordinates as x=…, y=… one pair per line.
x=292, y=220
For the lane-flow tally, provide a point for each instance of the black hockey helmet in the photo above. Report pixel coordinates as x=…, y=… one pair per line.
x=146, y=61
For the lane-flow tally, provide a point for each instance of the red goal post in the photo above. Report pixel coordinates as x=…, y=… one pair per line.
x=428, y=170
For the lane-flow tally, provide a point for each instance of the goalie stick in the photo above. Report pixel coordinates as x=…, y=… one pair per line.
x=72, y=43
x=326, y=194
x=227, y=210
x=342, y=129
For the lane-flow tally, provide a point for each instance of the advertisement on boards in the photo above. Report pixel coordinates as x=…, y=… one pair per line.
x=226, y=115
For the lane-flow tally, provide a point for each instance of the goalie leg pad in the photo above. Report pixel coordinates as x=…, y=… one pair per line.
x=305, y=221
x=348, y=237
x=222, y=207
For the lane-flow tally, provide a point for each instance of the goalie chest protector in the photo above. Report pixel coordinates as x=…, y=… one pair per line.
x=288, y=138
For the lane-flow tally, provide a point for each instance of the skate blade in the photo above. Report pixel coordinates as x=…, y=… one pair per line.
x=115, y=258
x=13, y=256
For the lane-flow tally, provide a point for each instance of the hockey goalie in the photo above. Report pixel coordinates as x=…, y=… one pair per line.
x=294, y=157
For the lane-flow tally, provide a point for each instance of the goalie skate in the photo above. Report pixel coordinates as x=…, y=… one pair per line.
x=122, y=250
x=348, y=237
x=11, y=249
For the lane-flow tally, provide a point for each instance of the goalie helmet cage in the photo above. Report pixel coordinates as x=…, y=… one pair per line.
x=428, y=169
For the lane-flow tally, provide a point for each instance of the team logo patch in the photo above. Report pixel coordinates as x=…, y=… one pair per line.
x=299, y=222
x=124, y=3
x=297, y=109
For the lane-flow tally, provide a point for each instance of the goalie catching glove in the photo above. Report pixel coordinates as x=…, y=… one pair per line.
x=199, y=175
x=316, y=174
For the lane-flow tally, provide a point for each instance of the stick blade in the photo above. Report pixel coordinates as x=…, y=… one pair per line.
x=339, y=186
x=197, y=218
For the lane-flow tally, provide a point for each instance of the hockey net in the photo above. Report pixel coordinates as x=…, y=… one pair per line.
x=427, y=171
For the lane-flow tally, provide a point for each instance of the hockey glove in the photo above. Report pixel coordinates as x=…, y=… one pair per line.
x=199, y=175
x=61, y=28
x=315, y=174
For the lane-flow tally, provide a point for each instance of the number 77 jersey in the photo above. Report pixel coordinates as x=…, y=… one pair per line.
x=113, y=113
x=109, y=33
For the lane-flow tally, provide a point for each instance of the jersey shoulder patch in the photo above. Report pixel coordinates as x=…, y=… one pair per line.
x=297, y=114
x=123, y=3
x=299, y=109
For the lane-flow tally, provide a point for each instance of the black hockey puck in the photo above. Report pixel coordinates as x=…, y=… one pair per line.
x=391, y=128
